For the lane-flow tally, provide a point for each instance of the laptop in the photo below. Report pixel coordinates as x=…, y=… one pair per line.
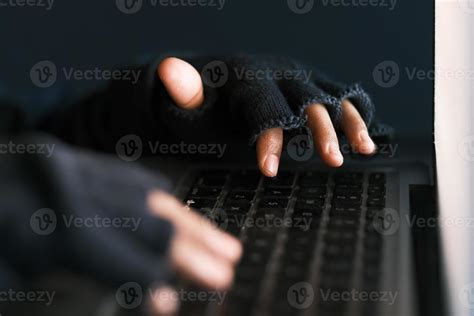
x=367, y=239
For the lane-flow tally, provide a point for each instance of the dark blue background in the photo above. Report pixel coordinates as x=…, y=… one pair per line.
x=346, y=42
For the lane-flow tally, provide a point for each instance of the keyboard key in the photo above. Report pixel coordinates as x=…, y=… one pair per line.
x=199, y=203
x=349, y=178
x=311, y=179
x=246, y=180
x=204, y=192
x=318, y=192
x=297, y=256
x=211, y=179
x=375, y=201
x=348, y=187
x=340, y=237
x=277, y=192
x=283, y=179
x=238, y=195
x=376, y=190
x=345, y=207
x=308, y=204
x=236, y=206
x=273, y=203
x=377, y=177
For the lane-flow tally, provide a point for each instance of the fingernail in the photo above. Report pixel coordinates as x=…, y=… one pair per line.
x=271, y=164
x=368, y=145
x=335, y=152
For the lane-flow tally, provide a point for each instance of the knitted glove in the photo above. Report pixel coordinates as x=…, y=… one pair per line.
x=244, y=95
x=83, y=211
x=259, y=93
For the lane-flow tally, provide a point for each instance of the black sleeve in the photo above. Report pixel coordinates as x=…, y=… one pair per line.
x=61, y=206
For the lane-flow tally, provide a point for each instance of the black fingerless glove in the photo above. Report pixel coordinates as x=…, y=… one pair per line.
x=244, y=95
x=86, y=212
x=259, y=93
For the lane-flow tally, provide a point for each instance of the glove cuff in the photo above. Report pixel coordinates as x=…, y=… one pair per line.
x=361, y=101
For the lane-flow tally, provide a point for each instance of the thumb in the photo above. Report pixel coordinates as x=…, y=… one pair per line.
x=182, y=82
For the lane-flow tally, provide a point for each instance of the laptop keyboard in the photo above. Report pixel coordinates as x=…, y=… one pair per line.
x=304, y=234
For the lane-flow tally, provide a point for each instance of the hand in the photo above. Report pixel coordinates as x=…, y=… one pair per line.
x=184, y=85
x=199, y=251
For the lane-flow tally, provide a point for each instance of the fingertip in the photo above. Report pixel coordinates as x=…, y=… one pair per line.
x=182, y=82
x=269, y=148
x=235, y=249
x=367, y=146
x=164, y=301
x=270, y=165
x=333, y=156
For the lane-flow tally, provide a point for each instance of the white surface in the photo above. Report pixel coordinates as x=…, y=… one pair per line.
x=453, y=132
